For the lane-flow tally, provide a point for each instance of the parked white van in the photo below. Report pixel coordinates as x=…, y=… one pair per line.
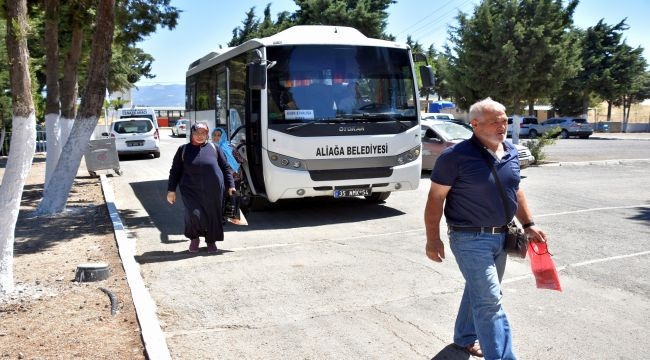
x=437, y=116
x=138, y=112
x=135, y=136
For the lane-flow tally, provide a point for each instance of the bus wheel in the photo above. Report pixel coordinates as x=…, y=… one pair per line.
x=249, y=202
x=253, y=203
x=378, y=197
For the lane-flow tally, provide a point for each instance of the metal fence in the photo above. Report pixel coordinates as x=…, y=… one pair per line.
x=41, y=143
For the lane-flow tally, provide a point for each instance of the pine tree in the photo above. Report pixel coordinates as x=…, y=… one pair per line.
x=512, y=51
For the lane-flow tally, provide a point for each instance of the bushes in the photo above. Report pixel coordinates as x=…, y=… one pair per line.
x=537, y=145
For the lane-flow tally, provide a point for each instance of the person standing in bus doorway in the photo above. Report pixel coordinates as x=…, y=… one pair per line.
x=461, y=181
x=220, y=139
x=201, y=172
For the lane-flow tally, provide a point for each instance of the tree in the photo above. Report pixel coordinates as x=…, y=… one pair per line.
x=52, y=108
x=368, y=16
x=601, y=47
x=440, y=64
x=249, y=30
x=569, y=100
x=513, y=51
x=5, y=94
x=635, y=89
x=610, y=70
x=628, y=72
x=136, y=19
x=89, y=110
x=548, y=52
x=23, y=136
x=62, y=106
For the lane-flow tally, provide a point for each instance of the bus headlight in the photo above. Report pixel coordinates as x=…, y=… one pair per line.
x=286, y=162
x=408, y=156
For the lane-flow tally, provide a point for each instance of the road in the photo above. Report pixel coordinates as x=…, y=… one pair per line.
x=341, y=279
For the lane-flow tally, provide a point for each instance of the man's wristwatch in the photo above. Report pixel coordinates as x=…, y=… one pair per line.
x=528, y=224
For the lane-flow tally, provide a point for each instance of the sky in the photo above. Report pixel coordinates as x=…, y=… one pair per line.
x=204, y=25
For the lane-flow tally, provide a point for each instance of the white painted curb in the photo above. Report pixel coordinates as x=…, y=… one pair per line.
x=145, y=308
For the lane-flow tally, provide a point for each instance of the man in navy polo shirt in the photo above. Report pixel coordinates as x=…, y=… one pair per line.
x=462, y=181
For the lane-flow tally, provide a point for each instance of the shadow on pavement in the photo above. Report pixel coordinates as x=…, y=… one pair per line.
x=164, y=256
x=451, y=352
x=643, y=215
x=285, y=214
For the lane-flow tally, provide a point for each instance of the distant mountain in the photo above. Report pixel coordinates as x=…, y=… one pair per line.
x=159, y=95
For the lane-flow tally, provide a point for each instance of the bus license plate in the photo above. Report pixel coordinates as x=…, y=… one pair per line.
x=338, y=193
x=135, y=143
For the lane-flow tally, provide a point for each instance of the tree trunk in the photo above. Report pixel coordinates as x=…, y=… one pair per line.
x=52, y=101
x=69, y=83
x=585, y=103
x=609, y=111
x=56, y=194
x=23, y=137
x=69, y=88
x=627, y=107
x=517, y=109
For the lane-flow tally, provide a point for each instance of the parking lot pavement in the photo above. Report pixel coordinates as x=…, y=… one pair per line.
x=622, y=136
x=332, y=280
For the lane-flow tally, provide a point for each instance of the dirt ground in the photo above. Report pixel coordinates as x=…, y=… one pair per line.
x=50, y=316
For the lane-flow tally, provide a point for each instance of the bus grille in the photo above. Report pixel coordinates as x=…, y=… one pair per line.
x=350, y=174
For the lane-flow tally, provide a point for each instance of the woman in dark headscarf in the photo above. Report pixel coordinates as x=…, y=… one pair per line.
x=201, y=171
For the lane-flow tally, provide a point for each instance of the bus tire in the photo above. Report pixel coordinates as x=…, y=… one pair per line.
x=378, y=197
x=253, y=203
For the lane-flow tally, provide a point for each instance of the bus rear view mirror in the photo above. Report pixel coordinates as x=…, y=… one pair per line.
x=426, y=74
x=419, y=57
x=257, y=76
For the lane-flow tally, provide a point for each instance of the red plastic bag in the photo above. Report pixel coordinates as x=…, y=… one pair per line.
x=543, y=267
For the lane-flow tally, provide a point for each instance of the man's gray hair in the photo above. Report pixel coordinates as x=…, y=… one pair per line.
x=478, y=108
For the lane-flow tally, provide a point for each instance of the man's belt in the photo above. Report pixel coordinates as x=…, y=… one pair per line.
x=479, y=229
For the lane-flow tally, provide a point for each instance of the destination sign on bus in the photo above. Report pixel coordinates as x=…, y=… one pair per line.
x=135, y=112
x=299, y=114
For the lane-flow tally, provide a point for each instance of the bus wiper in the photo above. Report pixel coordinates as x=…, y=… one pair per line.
x=366, y=117
x=392, y=117
x=401, y=124
x=369, y=115
x=298, y=126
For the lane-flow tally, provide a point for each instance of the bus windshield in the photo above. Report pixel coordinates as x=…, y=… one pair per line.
x=315, y=83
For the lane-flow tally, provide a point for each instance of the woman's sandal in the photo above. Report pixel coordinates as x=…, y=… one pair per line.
x=474, y=349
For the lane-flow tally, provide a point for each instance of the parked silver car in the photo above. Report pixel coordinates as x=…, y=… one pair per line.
x=437, y=135
x=180, y=127
x=570, y=126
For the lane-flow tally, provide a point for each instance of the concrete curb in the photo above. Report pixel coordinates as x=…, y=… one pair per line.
x=599, y=162
x=153, y=337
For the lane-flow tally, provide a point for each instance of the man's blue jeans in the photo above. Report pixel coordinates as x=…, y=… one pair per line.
x=482, y=261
